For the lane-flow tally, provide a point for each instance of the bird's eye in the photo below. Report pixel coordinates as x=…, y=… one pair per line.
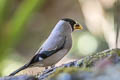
x=77, y=26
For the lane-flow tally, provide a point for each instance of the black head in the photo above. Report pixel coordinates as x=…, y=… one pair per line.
x=72, y=22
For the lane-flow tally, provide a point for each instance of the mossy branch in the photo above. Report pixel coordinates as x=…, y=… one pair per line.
x=82, y=64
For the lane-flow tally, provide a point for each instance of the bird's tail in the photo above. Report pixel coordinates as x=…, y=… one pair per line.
x=18, y=70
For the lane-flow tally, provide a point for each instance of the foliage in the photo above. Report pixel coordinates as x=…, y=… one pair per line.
x=12, y=24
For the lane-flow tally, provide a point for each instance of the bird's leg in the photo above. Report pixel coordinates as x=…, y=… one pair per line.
x=46, y=68
x=52, y=66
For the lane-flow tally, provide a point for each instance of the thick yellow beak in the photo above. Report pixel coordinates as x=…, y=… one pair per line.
x=77, y=26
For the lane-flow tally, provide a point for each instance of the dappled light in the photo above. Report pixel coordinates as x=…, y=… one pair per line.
x=87, y=44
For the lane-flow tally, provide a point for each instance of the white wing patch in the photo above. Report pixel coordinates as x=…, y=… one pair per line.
x=40, y=59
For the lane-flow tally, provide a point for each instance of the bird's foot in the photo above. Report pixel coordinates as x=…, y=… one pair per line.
x=52, y=66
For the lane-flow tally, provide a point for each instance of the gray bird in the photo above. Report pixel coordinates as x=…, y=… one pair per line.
x=55, y=47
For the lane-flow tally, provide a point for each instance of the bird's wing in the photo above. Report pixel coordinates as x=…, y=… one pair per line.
x=59, y=44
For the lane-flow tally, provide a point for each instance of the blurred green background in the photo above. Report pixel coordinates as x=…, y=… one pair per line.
x=25, y=24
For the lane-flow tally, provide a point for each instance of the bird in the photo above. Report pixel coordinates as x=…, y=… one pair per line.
x=56, y=46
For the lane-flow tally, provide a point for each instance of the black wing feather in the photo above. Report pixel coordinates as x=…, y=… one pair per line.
x=45, y=54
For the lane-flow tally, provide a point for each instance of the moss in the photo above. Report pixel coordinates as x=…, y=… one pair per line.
x=69, y=70
x=118, y=51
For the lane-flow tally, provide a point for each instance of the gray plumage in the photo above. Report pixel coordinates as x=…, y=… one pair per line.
x=54, y=48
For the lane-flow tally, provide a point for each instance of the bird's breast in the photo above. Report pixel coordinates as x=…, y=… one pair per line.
x=68, y=44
